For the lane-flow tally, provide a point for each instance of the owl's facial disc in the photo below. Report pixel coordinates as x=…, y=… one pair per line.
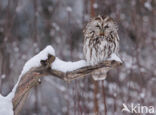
x=100, y=27
x=103, y=30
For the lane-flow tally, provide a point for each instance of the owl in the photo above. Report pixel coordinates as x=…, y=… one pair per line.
x=100, y=41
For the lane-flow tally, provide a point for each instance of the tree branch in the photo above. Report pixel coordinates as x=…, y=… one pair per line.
x=31, y=78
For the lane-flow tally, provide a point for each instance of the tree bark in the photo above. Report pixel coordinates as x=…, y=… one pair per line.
x=32, y=78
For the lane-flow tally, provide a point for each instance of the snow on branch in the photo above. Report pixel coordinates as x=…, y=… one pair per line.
x=82, y=70
x=5, y=106
x=46, y=63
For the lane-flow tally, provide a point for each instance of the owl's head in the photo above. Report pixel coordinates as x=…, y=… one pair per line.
x=100, y=27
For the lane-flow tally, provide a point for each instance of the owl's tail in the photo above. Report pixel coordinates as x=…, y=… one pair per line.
x=100, y=75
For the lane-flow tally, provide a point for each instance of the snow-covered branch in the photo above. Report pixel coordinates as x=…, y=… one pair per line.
x=47, y=64
x=84, y=70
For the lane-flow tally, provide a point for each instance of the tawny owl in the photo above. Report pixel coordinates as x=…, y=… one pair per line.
x=100, y=41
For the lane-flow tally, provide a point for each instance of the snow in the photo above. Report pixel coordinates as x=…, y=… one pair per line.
x=6, y=107
x=57, y=28
x=33, y=62
x=3, y=76
x=148, y=5
x=67, y=66
x=115, y=57
x=18, y=9
x=69, y=9
x=6, y=102
x=58, y=64
x=95, y=5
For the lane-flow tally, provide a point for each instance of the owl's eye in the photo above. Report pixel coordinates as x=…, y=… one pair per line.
x=92, y=32
x=97, y=26
x=106, y=26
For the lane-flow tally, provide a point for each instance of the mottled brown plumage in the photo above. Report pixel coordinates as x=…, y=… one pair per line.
x=100, y=41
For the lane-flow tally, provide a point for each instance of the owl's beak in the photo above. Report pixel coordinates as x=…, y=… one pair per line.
x=102, y=32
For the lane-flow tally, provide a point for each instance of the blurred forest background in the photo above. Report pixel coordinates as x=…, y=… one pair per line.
x=27, y=26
